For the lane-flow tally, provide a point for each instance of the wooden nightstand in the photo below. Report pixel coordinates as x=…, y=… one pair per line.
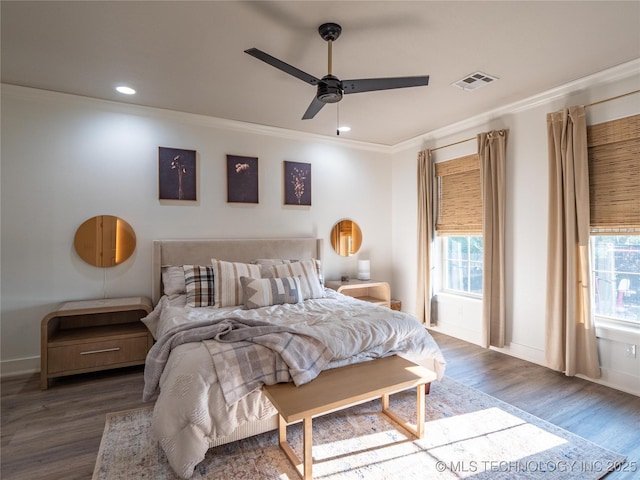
x=91, y=335
x=367, y=290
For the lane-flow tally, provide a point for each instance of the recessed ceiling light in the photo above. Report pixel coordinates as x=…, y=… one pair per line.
x=344, y=128
x=125, y=90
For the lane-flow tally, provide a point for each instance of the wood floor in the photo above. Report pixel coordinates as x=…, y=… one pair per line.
x=55, y=434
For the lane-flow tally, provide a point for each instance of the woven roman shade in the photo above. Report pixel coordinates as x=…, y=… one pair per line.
x=459, y=207
x=614, y=174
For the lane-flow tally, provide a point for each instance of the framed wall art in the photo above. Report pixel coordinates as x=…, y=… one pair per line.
x=176, y=174
x=242, y=179
x=297, y=183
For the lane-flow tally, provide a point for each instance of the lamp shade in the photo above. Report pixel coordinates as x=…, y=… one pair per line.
x=364, y=270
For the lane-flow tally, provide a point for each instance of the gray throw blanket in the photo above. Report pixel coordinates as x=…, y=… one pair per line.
x=253, y=354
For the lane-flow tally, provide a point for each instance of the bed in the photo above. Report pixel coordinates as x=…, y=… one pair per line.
x=255, y=295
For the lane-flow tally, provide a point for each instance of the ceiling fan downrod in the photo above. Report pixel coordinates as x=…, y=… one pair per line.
x=330, y=32
x=330, y=88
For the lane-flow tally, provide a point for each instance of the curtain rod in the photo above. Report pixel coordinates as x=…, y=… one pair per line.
x=612, y=98
x=452, y=144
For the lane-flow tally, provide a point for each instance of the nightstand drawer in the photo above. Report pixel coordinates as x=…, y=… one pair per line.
x=91, y=355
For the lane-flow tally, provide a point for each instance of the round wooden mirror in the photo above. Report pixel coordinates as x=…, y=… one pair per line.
x=105, y=241
x=346, y=238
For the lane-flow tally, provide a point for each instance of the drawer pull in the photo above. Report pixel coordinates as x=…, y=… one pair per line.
x=90, y=352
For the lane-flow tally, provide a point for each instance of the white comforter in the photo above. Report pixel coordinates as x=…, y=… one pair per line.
x=190, y=411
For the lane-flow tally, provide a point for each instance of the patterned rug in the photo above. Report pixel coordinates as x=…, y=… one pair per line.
x=468, y=434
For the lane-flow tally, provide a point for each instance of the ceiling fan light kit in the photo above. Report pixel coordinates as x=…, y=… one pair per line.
x=330, y=89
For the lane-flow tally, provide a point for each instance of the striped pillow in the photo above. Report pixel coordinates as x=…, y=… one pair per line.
x=228, y=289
x=263, y=292
x=280, y=261
x=305, y=269
x=199, y=285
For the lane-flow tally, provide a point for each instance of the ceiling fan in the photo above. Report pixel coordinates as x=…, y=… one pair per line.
x=331, y=88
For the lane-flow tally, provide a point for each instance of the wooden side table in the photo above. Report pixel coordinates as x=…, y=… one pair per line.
x=91, y=335
x=368, y=290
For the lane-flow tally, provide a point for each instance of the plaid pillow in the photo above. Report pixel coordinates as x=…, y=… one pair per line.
x=198, y=280
x=263, y=292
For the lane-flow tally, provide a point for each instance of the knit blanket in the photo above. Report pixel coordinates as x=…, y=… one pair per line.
x=250, y=353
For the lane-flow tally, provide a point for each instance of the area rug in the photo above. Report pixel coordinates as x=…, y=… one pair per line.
x=468, y=434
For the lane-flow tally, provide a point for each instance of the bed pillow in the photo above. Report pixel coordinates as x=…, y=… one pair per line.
x=280, y=261
x=305, y=269
x=199, y=285
x=227, y=281
x=263, y=292
x=173, y=281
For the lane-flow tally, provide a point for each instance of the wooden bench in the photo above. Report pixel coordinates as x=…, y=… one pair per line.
x=343, y=387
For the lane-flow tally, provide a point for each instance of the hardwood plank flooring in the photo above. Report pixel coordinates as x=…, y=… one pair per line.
x=607, y=417
x=55, y=434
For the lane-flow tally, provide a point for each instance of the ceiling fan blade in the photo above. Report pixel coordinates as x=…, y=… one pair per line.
x=314, y=107
x=280, y=65
x=372, y=84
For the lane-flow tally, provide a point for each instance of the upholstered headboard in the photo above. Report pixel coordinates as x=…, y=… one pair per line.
x=201, y=251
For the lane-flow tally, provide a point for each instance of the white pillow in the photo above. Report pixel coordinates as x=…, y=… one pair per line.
x=305, y=269
x=263, y=292
x=228, y=289
x=173, y=281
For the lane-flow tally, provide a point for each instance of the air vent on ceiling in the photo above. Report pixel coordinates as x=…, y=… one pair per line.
x=474, y=81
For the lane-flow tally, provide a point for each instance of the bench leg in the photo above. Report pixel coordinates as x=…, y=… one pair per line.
x=307, y=460
x=302, y=467
x=419, y=430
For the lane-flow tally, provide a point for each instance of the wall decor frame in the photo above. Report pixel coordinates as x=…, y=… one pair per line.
x=242, y=179
x=176, y=174
x=297, y=183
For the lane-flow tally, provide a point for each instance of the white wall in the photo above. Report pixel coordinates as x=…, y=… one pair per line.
x=67, y=158
x=526, y=218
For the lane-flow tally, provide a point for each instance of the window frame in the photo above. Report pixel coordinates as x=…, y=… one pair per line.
x=603, y=320
x=443, y=241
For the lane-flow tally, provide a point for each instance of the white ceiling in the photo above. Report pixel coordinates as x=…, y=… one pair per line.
x=189, y=56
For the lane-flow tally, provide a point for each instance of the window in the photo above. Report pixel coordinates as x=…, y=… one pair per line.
x=463, y=264
x=614, y=193
x=616, y=276
x=459, y=224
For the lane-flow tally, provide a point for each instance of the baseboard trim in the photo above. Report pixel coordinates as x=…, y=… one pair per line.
x=20, y=366
x=523, y=352
x=455, y=331
x=616, y=380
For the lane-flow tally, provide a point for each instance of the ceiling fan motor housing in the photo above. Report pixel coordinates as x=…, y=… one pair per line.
x=329, y=89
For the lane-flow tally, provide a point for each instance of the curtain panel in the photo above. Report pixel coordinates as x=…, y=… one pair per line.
x=425, y=236
x=492, y=148
x=571, y=344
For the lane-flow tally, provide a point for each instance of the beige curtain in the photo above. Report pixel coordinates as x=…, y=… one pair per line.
x=571, y=344
x=492, y=148
x=425, y=236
